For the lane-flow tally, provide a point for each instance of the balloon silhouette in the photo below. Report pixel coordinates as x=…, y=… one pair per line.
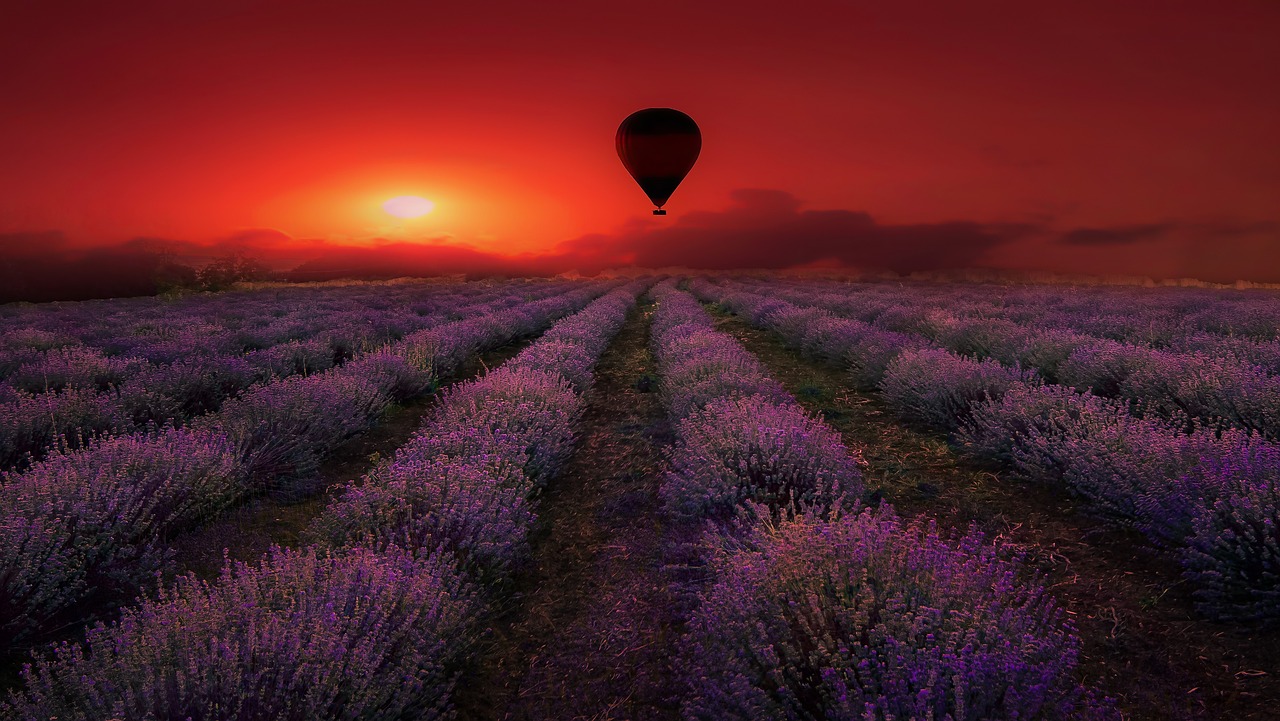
x=658, y=146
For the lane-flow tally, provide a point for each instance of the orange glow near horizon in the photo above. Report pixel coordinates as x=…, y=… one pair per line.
x=483, y=209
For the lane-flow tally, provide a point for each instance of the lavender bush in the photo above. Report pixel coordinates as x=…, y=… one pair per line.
x=399, y=376
x=700, y=364
x=1206, y=388
x=1023, y=428
x=284, y=428
x=184, y=389
x=182, y=367
x=1207, y=495
x=72, y=367
x=570, y=360
x=1233, y=552
x=812, y=615
x=869, y=617
x=465, y=496
x=936, y=388
x=1047, y=350
x=863, y=349
x=1149, y=456
x=94, y=524
x=293, y=357
x=1264, y=354
x=299, y=636
x=34, y=423
x=1234, y=388
x=753, y=449
x=868, y=359
x=538, y=410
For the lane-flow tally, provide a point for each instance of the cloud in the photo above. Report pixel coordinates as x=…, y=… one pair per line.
x=759, y=229
x=767, y=229
x=1201, y=231
x=1122, y=235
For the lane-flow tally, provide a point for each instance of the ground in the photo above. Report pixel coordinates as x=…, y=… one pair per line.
x=589, y=632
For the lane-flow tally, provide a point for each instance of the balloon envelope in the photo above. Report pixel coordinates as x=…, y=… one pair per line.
x=658, y=146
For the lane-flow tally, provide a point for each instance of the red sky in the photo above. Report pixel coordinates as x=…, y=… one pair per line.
x=1086, y=135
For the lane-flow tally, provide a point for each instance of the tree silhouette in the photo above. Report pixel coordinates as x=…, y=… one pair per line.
x=232, y=268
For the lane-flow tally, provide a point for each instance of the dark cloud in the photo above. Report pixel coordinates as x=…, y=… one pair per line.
x=760, y=229
x=767, y=229
x=1121, y=235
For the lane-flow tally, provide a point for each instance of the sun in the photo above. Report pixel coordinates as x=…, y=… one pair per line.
x=408, y=206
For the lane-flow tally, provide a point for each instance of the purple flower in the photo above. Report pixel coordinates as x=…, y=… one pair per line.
x=753, y=449
x=466, y=497
x=868, y=617
x=936, y=388
x=301, y=635
x=34, y=423
x=1233, y=552
x=94, y=523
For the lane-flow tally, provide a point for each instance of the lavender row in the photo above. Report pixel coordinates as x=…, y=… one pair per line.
x=223, y=322
x=1197, y=381
x=291, y=338
x=814, y=610
x=1154, y=317
x=299, y=635
x=382, y=617
x=102, y=335
x=468, y=481
x=743, y=440
x=1003, y=329
x=91, y=526
x=31, y=424
x=1210, y=497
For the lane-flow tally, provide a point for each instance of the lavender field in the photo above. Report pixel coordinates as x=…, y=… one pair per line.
x=697, y=497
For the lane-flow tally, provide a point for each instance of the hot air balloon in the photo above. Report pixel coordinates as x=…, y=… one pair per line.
x=658, y=146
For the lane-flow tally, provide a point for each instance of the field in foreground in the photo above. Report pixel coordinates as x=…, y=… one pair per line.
x=704, y=497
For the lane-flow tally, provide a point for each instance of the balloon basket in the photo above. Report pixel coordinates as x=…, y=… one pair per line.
x=659, y=211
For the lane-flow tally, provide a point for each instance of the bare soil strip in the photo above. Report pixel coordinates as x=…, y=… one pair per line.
x=249, y=531
x=588, y=631
x=1143, y=644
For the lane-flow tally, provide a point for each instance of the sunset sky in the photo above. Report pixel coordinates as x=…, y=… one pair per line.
x=1106, y=136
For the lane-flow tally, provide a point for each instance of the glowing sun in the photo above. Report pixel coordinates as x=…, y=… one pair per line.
x=408, y=206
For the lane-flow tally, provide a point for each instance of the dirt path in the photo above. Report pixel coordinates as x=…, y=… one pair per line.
x=587, y=633
x=1142, y=642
